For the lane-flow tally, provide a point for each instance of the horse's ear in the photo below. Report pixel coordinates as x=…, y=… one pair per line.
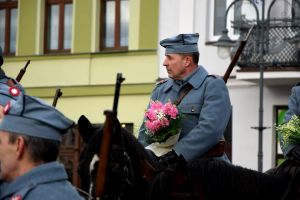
x=85, y=128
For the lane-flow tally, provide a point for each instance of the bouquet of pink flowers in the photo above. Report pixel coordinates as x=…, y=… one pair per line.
x=162, y=121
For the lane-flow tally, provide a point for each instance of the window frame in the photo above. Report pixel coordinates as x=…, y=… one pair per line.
x=117, y=27
x=61, y=31
x=210, y=22
x=278, y=153
x=8, y=5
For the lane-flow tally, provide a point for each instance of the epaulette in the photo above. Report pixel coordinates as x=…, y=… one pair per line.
x=213, y=75
x=161, y=81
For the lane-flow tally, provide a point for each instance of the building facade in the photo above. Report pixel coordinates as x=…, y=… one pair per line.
x=207, y=17
x=80, y=45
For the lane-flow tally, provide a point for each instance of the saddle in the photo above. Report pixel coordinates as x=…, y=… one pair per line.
x=216, y=151
x=289, y=169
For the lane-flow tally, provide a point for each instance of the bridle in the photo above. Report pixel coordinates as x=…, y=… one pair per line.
x=120, y=169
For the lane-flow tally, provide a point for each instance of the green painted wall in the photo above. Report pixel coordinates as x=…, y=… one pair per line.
x=26, y=36
x=86, y=78
x=82, y=26
x=148, y=29
x=85, y=69
x=134, y=24
x=131, y=108
x=143, y=24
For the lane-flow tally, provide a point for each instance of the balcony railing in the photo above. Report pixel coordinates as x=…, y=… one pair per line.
x=278, y=52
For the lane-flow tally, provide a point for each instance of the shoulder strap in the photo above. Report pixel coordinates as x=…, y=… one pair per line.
x=22, y=193
x=183, y=93
x=187, y=89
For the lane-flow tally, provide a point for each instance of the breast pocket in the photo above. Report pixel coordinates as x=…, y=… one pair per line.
x=191, y=109
x=190, y=116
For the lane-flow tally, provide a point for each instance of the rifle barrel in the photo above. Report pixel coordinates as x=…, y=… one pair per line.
x=58, y=94
x=119, y=80
x=106, y=140
x=237, y=55
x=22, y=71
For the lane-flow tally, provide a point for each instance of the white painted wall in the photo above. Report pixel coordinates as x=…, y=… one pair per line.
x=185, y=16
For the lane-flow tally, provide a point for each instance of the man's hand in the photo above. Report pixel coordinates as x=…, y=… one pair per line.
x=169, y=158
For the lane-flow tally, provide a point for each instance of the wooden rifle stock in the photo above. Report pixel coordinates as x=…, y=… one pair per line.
x=22, y=71
x=106, y=138
x=236, y=56
x=58, y=94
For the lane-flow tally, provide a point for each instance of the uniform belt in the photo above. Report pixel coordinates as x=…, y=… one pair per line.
x=216, y=151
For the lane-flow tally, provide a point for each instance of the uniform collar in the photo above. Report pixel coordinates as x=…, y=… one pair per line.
x=195, y=79
x=49, y=172
x=198, y=77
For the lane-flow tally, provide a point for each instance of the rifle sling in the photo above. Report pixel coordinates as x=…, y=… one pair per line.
x=182, y=94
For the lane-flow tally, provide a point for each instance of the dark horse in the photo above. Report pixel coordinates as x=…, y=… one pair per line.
x=133, y=174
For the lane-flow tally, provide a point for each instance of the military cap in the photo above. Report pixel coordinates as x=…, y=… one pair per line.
x=33, y=117
x=182, y=43
x=1, y=57
x=8, y=93
x=5, y=80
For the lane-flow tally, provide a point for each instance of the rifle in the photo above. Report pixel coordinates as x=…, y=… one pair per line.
x=22, y=71
x=237, y=55
x=58, y=94
x=106, y=138
x=227, y=132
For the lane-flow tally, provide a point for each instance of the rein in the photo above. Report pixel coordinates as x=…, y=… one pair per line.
x=125, y=168
x=84, y=194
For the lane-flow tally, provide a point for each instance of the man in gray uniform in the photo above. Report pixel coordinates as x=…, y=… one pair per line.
x=205, y=108
x=293, y=150
x=1, y=57
x=30, y=136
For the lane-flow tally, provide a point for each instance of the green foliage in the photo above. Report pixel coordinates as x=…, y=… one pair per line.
x=289, y=132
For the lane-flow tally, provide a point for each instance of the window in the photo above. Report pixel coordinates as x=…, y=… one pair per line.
x=58, y=25
x=114, y=24
x=240, y=11
x=8, y=25
x=280, y=113
x=296, y=7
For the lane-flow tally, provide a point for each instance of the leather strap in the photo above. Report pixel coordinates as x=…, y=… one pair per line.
x=10, y=82
x=216, y=151
x=183, y=93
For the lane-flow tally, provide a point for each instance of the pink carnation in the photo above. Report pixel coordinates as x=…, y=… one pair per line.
x=171, y=110
x=150, y=115
x=155, y=105
x=161, y=120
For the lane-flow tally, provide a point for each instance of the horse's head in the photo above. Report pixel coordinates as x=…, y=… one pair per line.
x=125, y=177
x=89, y=155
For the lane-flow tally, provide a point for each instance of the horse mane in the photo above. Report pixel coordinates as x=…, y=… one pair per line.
x=227, y=178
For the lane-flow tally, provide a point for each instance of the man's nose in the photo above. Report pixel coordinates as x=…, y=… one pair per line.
x=165, y=63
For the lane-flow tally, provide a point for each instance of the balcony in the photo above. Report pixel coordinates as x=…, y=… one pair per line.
x=280, y=58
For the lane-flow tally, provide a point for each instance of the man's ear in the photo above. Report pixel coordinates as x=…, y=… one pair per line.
x=188, y=60
x=20, y=146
